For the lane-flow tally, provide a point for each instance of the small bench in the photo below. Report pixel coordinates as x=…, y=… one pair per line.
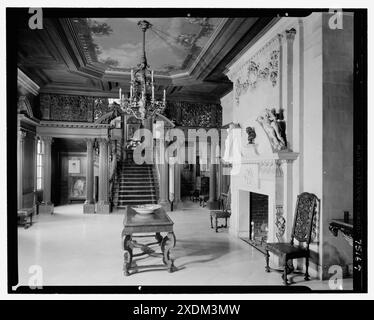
x=25, y=214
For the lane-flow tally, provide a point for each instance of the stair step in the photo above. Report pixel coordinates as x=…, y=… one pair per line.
x=136, y=182
x=136, y=167
x=135, y=172
x=137, y=191
x=140, y=180
x=136, y=202
x=134, y=176
x=133, y=187
x=137, y=195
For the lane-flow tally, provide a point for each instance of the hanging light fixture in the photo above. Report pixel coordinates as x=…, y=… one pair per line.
x=141, y=101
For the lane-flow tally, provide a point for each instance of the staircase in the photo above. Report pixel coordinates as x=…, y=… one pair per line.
x=135, y=184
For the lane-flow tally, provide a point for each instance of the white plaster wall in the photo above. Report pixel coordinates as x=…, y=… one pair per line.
x=337, y=139
x=312, y=120
x=307, y=129
x=321, y=132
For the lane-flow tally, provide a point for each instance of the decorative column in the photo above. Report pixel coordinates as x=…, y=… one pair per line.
x=20, y=154
x=290, y=36
x=124, y=135
x=89, y=205
x=47, y=206
x=289, y=203
x=213, y=167
x=177, y=185
x=164, y=177
x=103, y=205
x=36, y=140
x=212, y=203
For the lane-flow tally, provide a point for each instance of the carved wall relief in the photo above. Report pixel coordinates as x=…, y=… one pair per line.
x=261, y=67
x=59, y=107
x=267, y=170
x=251, y=176
x=280, y=223
x=189, y=114
x=274, y=128
x=24, y=106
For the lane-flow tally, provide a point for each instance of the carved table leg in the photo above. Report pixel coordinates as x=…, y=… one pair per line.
x=306, y=277
x=158, y=237
x=267, y=268
x=285, y=275
x=127, y=256
x=168, y=243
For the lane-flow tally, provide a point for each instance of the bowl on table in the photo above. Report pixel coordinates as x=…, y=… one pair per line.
x=146, y=209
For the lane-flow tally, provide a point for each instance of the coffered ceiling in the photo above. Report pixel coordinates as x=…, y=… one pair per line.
x=94, y=56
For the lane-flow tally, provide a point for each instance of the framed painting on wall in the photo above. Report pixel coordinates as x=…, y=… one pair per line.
x=75, y=166
x=77, y=187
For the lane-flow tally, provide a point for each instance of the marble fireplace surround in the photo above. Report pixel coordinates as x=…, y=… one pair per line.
x=270, y=175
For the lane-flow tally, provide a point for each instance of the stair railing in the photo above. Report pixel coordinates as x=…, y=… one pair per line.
x=156, y=169
x=112, y=175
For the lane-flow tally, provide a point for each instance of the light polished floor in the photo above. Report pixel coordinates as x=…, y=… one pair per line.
x=73, y=248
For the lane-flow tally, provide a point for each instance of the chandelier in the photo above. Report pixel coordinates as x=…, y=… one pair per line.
x=141, y=101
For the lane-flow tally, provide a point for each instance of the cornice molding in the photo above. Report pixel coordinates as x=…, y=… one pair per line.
x=26, y=83
x=63, y=124
x=33, y=121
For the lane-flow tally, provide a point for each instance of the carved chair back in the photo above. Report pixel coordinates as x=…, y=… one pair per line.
x=225, y=202
x=306, y=211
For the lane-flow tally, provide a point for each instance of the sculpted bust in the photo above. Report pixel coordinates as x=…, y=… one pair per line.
x=251, y=134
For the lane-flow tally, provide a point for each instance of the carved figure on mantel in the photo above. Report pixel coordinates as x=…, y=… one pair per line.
x=271, y=123
x=251, y=134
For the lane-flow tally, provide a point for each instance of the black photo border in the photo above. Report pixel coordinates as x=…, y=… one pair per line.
x=13, y=15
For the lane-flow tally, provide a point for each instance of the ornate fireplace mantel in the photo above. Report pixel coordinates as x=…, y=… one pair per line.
x=269, y=174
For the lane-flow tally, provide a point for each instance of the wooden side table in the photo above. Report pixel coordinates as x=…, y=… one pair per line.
x=345, y=227
x=154, y=224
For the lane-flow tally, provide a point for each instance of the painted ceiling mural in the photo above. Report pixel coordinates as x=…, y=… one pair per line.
x=172, y=44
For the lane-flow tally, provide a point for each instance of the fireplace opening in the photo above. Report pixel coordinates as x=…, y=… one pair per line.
x=258, y=220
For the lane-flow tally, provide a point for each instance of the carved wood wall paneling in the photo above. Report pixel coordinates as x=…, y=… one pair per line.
x=189, y=114
x=100, y=107
x=72, y=108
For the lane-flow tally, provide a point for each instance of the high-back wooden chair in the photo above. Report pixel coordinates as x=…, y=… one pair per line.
x=307, y=207
x=223, y=213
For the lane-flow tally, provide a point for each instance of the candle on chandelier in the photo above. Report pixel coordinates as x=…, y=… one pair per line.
x=120, y=91
x=152, y=76
x=132, y=75
x=153, y=92
x=131, y=92
x=164, y=95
